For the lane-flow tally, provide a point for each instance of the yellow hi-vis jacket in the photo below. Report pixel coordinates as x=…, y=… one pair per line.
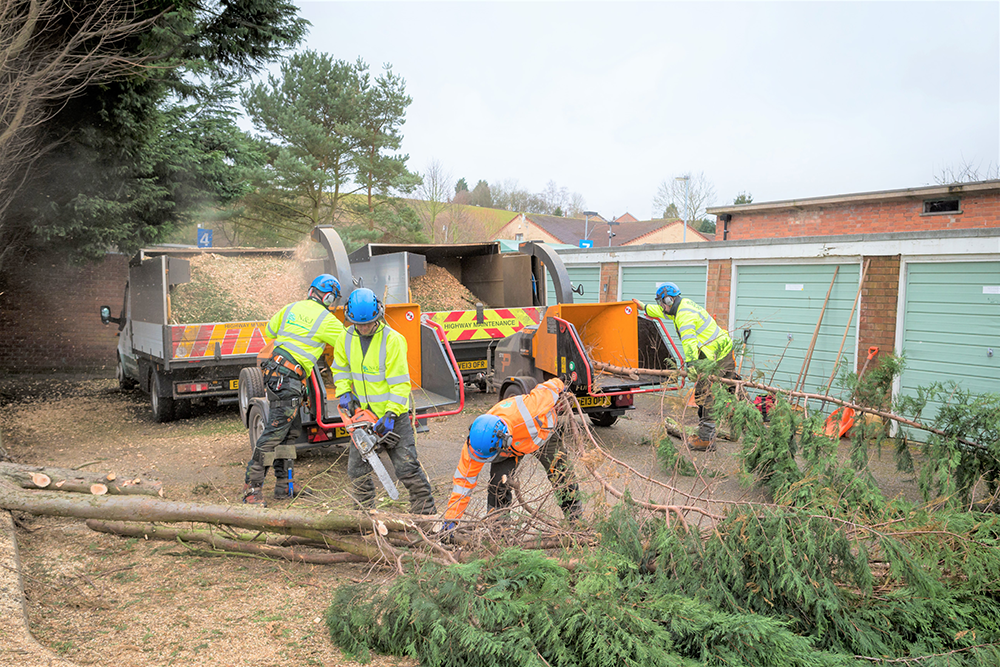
x=530, y=420
x=303, y=329
x=381, y=377
x=697, y=329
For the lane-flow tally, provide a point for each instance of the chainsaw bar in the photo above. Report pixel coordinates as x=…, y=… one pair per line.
x=363, y=438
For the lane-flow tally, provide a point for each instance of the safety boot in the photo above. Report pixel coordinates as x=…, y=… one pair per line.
x=253, y=495
x=696, y=444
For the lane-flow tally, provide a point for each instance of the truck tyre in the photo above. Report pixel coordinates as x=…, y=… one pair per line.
x=603, y=418
x=251, y=385
x=163, y=406
x=516, y=386
x=125, y=383
x=256, y=421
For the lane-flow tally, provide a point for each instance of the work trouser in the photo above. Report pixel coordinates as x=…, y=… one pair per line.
x=703, y=394
x=284, y=425
x=404, y=461
x=557, y=469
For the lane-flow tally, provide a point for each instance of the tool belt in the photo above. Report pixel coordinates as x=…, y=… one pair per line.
x=278, y=362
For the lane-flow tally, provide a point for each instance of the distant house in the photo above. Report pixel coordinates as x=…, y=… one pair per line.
x=628, y=217
x=570, y=231
x=932, y=208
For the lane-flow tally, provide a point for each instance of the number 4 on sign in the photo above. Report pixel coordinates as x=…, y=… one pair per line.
x=204, y=238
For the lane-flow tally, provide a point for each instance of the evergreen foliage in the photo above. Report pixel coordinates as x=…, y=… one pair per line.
x=833, y=573
x=673, y=461
x=953, y=465
x=123, y=161
x=774, y=587
x=329, y=130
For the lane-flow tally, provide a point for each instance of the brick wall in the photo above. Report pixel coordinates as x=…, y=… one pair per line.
x=719, y=287
x=979, y=211
x=879, y=295
x=609, y=281
x=50, y=315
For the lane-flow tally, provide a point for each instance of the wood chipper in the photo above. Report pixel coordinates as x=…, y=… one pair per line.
x=512, y=283
x=572, y=339
x=437, y=386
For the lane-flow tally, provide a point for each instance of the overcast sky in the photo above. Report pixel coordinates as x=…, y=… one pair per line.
x=783, y=100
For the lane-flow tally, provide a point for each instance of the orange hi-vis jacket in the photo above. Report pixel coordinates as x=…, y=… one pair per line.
x=530, y=419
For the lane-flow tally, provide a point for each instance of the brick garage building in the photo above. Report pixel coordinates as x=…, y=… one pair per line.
x=50, y=315
x=933, y=296
x=926, y=209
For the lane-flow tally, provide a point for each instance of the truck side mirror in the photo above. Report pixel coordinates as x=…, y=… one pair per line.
x=106, y=316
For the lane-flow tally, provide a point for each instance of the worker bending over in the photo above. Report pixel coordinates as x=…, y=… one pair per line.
x=300, y=331
x=701, y=338
x=370, y=371
x=513, y=428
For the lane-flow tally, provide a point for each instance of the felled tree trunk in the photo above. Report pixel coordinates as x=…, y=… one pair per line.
x=62, y=479
x=136, y=508
x=236, y=545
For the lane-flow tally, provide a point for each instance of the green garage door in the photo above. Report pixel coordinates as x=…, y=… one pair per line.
x=640, y=282
x=951, y=326
x=588, y=276
x=780, y=305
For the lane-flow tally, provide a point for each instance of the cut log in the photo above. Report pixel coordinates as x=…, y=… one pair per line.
x=135, y=508
x=98, y=489
x=224, y=543
x=28, y=477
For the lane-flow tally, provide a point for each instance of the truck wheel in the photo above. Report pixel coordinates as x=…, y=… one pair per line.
x=518, y=385
x=251, y=385
x=511, y=390
x=603, y=418
x=125, y=383
x=256, y=422
x=163, y=406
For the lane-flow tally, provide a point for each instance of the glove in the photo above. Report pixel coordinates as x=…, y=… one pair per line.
x=448, y=532
x=385, y=424
x=348, y=402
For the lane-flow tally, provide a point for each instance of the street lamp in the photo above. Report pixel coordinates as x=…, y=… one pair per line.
x=687, y=190
x=586, y=221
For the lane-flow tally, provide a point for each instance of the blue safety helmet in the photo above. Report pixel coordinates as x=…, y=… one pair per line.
x=487, y=435
x=363, y=307
x=667, y=289
x=325, y=289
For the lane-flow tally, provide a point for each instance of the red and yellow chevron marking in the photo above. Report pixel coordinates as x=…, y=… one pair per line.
x=198, y=341
x=460, y=325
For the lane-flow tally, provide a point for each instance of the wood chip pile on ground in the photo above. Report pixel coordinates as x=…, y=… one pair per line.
x=439, y=290
x=237, y=289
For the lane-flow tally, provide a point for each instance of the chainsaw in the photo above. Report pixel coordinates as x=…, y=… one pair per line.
x=362, y=429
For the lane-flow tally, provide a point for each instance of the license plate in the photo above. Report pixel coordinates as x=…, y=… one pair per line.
x=234, y=384
x=473, y=365
x=594, y=401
